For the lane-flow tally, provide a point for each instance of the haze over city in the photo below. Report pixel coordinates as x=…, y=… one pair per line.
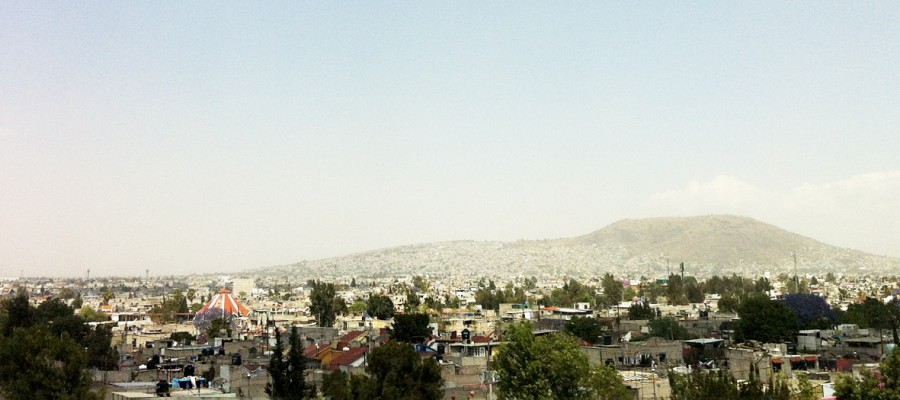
x=203, y=137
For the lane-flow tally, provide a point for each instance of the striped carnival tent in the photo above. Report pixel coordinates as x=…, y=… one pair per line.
x=229, y=305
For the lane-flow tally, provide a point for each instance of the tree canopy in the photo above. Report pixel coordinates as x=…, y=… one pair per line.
x=380, y=306
x=410, y=328
x=551, y=367
x=287, y=372
x=394, y=371
x=570, y=293
x=490, y=297
x=812, y=311
x=588, y=329
x=765, y=320
x=44, y=351
x=325, y=304
x=612, y=289
x=882, y=386
x=641, y=310
x=668, y=328
x=171, y=307
x=720, y=384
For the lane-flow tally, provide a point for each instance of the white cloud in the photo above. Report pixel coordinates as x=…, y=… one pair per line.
x=876, y=191
x=862, y=211
x=723, y=194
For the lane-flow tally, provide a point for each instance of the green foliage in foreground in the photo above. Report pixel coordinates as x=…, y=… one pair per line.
x=883, y=385
x=551, y=367
x=287, y=371
x=45, y=350
x=395, y=372
x=722, y=385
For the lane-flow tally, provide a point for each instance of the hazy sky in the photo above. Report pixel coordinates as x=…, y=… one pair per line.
x=204, y=136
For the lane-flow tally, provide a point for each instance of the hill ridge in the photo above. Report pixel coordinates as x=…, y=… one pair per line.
x=708, y=244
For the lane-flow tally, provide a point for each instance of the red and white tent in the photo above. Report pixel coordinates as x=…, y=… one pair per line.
x=229, y=305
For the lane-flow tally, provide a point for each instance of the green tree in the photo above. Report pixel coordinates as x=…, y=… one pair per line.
x=728, y=303
x=174, y=308
x=44, y=351
x=572, y=292
x=18, y=312
x=90, y=314
x=358, y=307
x=675, y=290
x=872, y=313
x=67, y=294
x=412, y=302
x=805, y=389
x=668, y=328
x=219, y=328
x=100, y=354
x=640, y=311
x=182, y=337
x=587, y=328
x=612, y=289
x=767, y=321
x=551, y=367
x=40, y=365
x=380, y=306
x=720, y=384
x=694, y=292
x=396, y=371
x=846, y=387
x=410, y=328
x=288, y=372
x=884, y=385
x=77, y=302
x=277, y=370
x=107, y=295
x=325, y=304
x=336, y=386
x=420, y=283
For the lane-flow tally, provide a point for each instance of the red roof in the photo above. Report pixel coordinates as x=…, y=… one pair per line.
x=313, y=350
x=481, y=339
x=347, y=357
x=350, y=336
x=228, y=303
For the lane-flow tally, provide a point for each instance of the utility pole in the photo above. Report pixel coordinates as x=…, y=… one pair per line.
x=796, y=277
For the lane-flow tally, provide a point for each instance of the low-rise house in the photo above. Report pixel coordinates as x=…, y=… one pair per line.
x=655, y=352
x=348, y=360
x=477, y=351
